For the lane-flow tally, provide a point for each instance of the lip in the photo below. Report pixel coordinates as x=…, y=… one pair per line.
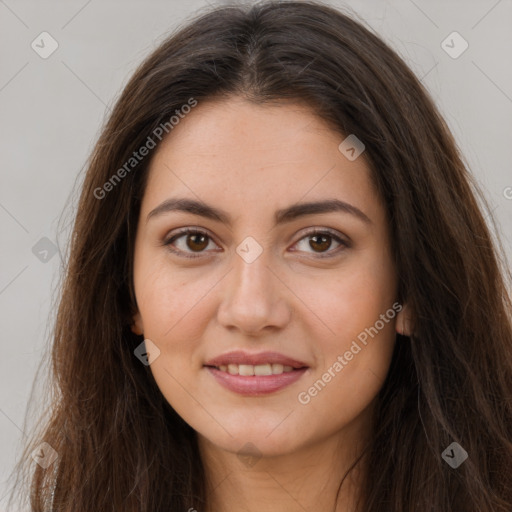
x=255, y=385
x=241, y=357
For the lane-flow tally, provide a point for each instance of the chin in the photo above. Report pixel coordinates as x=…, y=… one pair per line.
x=263, y=441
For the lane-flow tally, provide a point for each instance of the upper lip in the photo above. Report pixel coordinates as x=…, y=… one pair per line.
x=241, y=357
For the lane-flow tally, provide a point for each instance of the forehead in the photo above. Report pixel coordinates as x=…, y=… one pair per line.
x=243, y=154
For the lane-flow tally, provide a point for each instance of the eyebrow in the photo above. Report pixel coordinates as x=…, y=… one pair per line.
x=288, y=214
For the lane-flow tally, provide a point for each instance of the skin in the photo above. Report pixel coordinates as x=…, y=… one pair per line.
x=251, y=160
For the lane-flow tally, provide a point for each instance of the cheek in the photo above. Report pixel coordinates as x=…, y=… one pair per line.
x=351, y=299
x=173, y=308
x=353, y=366
x=171, y=303
x=355, y=340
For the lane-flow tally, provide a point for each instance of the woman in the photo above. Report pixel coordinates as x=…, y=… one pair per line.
x=281, y=292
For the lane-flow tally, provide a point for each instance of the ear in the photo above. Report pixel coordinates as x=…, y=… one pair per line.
x=137, y=326
x=403, y=323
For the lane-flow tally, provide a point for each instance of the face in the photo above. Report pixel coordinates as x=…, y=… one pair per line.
x=255, y=273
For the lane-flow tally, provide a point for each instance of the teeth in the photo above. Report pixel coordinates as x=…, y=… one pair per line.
x=247, y=370
x=278, y=368
x=263, y=369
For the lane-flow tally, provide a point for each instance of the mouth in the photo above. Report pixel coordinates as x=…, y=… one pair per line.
x=255, y=374
x=260, y=370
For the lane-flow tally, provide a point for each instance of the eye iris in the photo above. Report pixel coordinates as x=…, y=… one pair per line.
x=197, y=239
x=325, y=241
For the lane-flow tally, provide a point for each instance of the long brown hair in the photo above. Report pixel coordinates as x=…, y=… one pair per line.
x=121, y=446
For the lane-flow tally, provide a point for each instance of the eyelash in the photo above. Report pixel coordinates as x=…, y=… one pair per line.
x=196, y=231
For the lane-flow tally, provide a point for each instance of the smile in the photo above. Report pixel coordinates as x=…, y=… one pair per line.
x=255, y=374
x=248, y=370
x=249, y=383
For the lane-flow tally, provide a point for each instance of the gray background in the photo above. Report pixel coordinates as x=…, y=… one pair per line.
x=52, y=109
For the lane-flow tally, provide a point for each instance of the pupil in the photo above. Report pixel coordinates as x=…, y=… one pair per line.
x=197, y=239
x=325, y=239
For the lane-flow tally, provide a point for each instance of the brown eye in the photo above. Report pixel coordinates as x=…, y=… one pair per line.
x=196, y=241
x=320, y=242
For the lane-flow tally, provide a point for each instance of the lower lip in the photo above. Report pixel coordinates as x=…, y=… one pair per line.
x=255, y=385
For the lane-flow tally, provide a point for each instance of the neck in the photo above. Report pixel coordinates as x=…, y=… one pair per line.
x=307, y=479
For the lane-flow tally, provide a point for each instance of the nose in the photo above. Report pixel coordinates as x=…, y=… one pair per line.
x=254, y=298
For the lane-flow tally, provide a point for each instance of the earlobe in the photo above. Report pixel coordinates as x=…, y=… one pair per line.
x=137, y=326
x=403, y=321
